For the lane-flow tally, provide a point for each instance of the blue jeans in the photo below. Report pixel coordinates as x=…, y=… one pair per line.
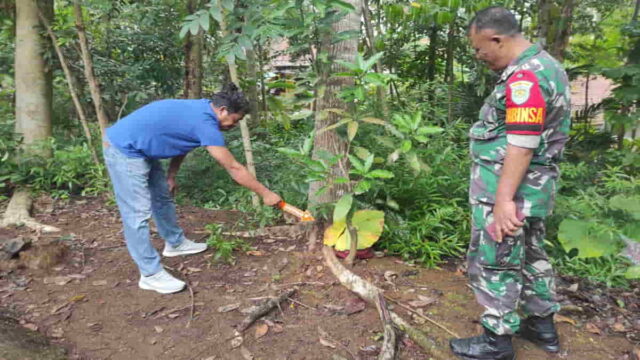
x=141, y=190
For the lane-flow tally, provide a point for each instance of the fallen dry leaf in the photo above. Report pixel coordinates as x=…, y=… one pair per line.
x=194, y=269
x=57, y=308
x=58, y=280
x=57, y=333
x=158, y=329
x=30, y=326
x=255, y=253
x=619, y=327
x=173, y=315
x=325, y=339
x=77, y=298
x=236, y=342
x=261, y=330
x=327, y=343
x=390, y=276
x=94, y=326
x=277, y=328
x=422, y=301
x=573, y=288
x=227, y=308
x=592, y=328
x=99, y=283
x=563, y=319
x=635, y=353
x=354, y=305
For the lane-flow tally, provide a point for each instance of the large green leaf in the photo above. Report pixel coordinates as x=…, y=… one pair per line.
x=362, y=187
x=342, y=208
x=368, y=64
x=633, y=272
x=336, y=232
x=630, y=204
x=585, y=237
x=216, y=14
x=369, y=225
x=380, y=174
x=352, y=130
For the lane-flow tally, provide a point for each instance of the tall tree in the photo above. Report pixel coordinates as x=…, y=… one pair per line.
x=544, y=21
x=327, y=98
x=193, y=49
x=562, y=31
x=33, y=99
x=555, y=18
x=94, y=85
x=33, y=81
x=72, y=87
x=244, y=128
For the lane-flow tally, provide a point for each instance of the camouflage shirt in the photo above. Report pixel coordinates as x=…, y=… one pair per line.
x=529, y=107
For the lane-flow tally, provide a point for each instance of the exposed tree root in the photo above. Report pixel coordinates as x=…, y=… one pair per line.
x=17, y=213
x=389, y=345
x=264, y=309
x=371, y=293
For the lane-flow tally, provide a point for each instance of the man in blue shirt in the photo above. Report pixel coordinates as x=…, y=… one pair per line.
x=133, y=148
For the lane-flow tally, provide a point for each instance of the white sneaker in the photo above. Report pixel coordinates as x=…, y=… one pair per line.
x=162, y=282
x=186, y=248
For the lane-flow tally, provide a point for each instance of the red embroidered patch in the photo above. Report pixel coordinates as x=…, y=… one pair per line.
x=526, y=108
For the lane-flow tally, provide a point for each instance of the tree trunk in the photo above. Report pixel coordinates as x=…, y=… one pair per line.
x=328, y=89
x=94, y=85
x=263, y=89
x=33, y=99
x=449, y=74
x=433, y=46
x=193, y=48
x=72, y=88
x=33, y=85
x=244, y=129
x=544, y=7
x=563, y=31
x=252, y=91
x=632, y=59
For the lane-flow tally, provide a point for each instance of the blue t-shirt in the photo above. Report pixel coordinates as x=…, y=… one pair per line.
x=166, y=128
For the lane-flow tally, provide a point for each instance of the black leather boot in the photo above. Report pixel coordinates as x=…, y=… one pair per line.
x=487, y=346
x=541, y=331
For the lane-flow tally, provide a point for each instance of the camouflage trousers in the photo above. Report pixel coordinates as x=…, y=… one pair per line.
x=512, y=276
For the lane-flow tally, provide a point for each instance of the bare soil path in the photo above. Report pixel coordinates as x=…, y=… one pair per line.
x=79, y=289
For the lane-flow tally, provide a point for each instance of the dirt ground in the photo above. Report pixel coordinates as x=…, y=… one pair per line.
x=85, y=298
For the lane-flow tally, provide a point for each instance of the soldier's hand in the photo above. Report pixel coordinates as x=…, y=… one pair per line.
x=505, y=219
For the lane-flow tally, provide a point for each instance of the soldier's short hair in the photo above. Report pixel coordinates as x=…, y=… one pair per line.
x=496, y=18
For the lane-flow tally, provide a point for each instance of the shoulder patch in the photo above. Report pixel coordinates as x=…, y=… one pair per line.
x=520, y=91
x=526, y=108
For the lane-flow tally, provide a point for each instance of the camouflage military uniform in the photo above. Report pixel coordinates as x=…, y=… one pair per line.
x=530, y=108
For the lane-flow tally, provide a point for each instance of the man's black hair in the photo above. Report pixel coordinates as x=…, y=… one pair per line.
x=231, y=98
x=496, y=18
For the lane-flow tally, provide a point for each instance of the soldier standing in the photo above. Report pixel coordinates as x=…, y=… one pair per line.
x=515, y=148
